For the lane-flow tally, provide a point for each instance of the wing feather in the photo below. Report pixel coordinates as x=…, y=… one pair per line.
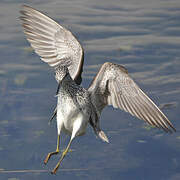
x=113, y=86
x=52, y=42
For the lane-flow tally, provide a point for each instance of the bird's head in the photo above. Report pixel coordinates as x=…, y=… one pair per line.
x=61, y=72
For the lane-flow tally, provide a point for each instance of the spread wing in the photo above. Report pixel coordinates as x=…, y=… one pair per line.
x=113, y=86
x=52, y=42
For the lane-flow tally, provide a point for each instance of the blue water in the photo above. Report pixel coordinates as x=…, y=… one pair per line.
x=144, y=36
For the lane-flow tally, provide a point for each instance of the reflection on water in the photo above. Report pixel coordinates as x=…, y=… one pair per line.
x=143, y=36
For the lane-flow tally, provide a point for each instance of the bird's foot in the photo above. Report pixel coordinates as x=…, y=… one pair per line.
x=59, y=162
x=49, y=155
x=55, y=169
x=46, y=160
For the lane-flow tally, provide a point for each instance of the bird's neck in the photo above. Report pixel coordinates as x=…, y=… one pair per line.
x=67, y=80
x=67, y=86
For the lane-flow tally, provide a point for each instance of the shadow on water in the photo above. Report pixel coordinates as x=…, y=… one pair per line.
x=144, y=37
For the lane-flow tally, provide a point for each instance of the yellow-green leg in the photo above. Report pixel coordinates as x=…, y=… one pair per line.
x=62, y=157
x=52, y=153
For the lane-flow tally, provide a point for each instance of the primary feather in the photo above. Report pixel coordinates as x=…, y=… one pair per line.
x=113, y=86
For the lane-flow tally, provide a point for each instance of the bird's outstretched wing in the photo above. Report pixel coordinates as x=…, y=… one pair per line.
x=52, y=42
x=113, y=86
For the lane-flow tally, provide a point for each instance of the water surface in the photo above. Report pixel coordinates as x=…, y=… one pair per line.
x=144, y=36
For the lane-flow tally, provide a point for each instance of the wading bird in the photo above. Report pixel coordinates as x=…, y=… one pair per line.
x=76, y=106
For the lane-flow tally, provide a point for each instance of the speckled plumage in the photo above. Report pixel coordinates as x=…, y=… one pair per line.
x=74, y=101
x=76, y=106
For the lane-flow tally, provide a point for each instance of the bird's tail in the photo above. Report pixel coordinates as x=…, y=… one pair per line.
x=103, y=136
x=94, y=122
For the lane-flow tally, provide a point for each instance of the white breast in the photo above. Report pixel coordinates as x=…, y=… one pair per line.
x=68, y=115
